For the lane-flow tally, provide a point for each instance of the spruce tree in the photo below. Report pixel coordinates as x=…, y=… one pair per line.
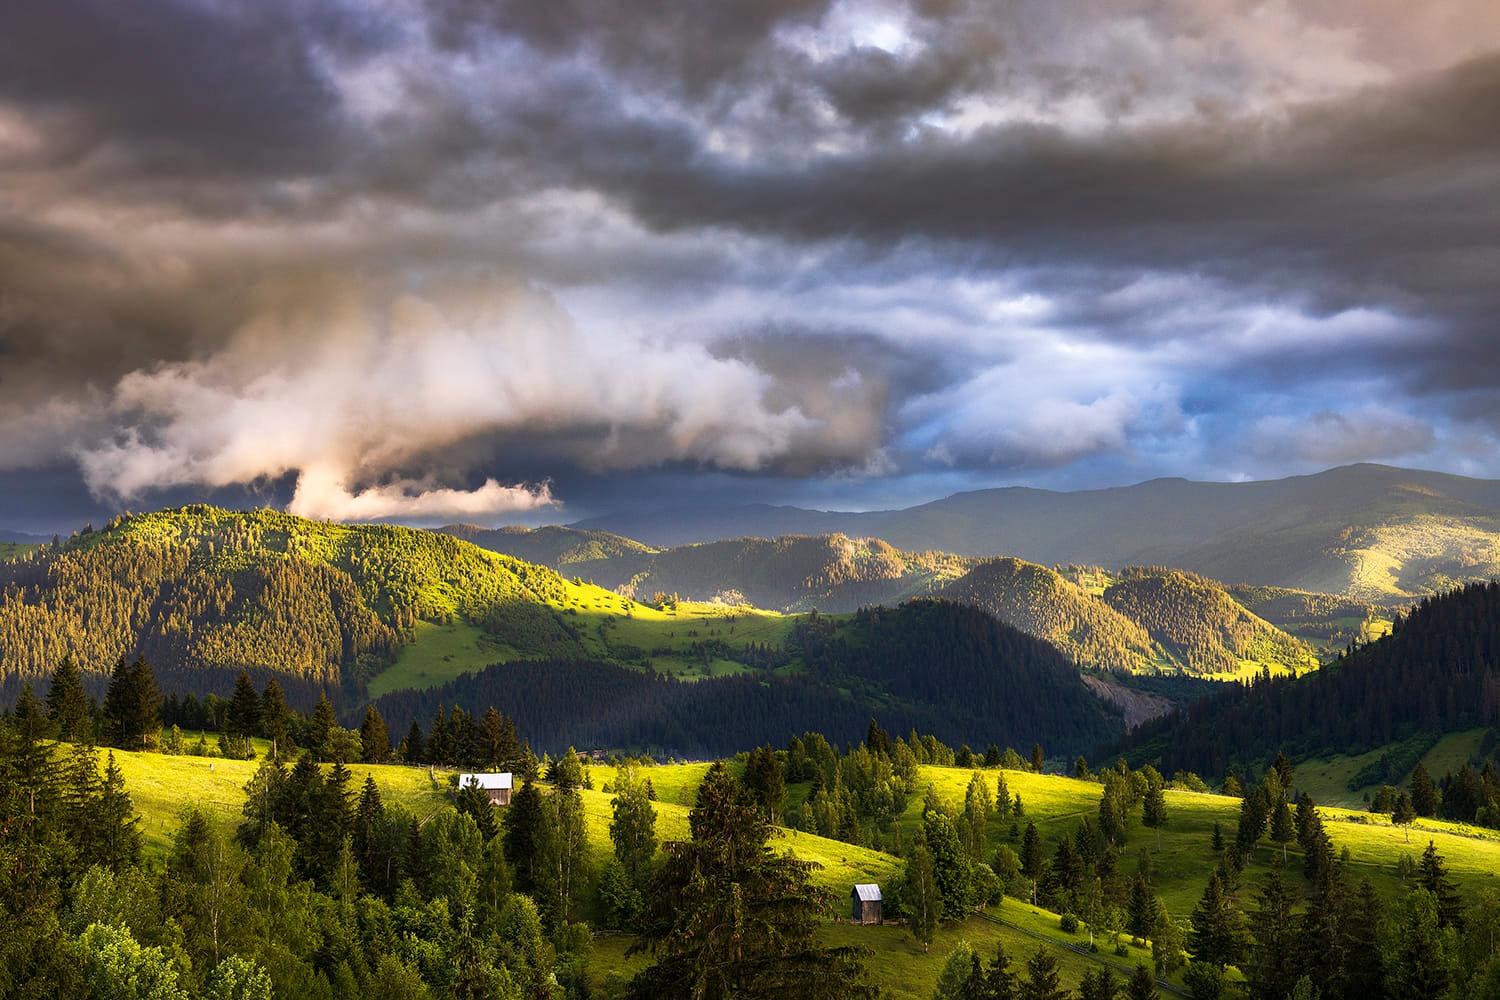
x=69, y=705
x=1404, y=814
x=1041, y=982
x=1424, y=797
x=273, y=719
x=1217, y=934
x=1272, y=969
x=632, y=827
x=320, y=727
x=1283, y=827
x=523, y=826
x=728, y=916
x=920, y=895
x=374, y=738
x=1432, y=875
x=1154, y=807
x=1142, y=985
x=413, y=747
x=1033, y=860
x=243, y=717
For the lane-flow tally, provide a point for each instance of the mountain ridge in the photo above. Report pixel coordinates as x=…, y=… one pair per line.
x=1369, y=531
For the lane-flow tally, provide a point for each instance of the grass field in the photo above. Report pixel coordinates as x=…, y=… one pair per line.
x=608, y=627
x=163, y=787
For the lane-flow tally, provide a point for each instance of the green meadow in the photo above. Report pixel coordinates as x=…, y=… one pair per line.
x=163, y=787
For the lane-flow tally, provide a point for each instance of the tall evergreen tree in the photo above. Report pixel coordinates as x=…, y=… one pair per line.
x=414, y=747
x=132, y=706
x=766, y=781
x=1033, y=860
x=1217, y=935
x=1041, y=982
x=1424, y=796
x=1432, y=875
x=1154, y=806
x=273, y=719
x=69, y=705
x=1283, y=827
x=1273, y=969
x=320, y=727
x=524, y=821
x=920, y=895
x=1098, y=984
x=1141, y=986
x=243, y=717
x=374, y=738
x=727, y=916
x=632, y=826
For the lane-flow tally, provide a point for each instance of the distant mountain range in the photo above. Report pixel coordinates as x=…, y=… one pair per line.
x=1366, y=531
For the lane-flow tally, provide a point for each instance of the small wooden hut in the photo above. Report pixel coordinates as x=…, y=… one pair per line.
x=866, y=903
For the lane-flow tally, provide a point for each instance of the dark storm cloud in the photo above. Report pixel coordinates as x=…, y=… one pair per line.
x=423, y=258
x=185, y=86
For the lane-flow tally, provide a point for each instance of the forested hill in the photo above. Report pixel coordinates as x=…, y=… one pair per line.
x=204, y=593
x=791, y=573
x=934, y=666
x=1438, y=671
x=1198, y=623
x=1043, y=603
x=1365, y=531
x=607, y=559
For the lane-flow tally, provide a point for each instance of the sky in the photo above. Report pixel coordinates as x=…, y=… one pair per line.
x=501, y=261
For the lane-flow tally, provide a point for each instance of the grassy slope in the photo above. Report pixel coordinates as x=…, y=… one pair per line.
x=161, y=787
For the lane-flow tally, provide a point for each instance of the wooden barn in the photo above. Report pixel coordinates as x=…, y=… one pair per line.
x=866, y=903
x=497, y=786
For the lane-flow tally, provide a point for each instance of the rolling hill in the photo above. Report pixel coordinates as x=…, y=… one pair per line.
x=1366, y=531
x=1181, y=624
x=1438, y=672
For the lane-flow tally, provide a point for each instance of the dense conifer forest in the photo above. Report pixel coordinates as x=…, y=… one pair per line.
x=928, y=665
x=1439, y=671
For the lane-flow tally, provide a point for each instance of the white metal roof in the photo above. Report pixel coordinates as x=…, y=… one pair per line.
x=488, y=782
x=869, y=893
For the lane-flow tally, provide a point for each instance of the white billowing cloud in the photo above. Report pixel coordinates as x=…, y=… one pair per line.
x=322, y=494
x=347, y=386
x=1333, y=437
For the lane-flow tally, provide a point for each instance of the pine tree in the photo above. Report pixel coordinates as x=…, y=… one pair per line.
x=1142, y=910
x=1098, y=985
x=1272, y=969
x=475, y=801
x=243, y=717
x=273, y=719
x=1432, y=875
x=920, y=894
x=1217, y=936
x=1404, y=814
x=1283, y=827
x=1141, y=986
x=1041, y=982
x=132, y=707
x=69, y=705
x=766, y=780
x=119, y=844
x=413, y=747
x=374, y=738
x=320, y=727
x=632, y=827
x=1424, y=797
x=1033, y=861
x=727, y=916
x=523, y=825
x=1154, y=807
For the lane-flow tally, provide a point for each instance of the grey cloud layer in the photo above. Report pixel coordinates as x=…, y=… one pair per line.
x=407, y=253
